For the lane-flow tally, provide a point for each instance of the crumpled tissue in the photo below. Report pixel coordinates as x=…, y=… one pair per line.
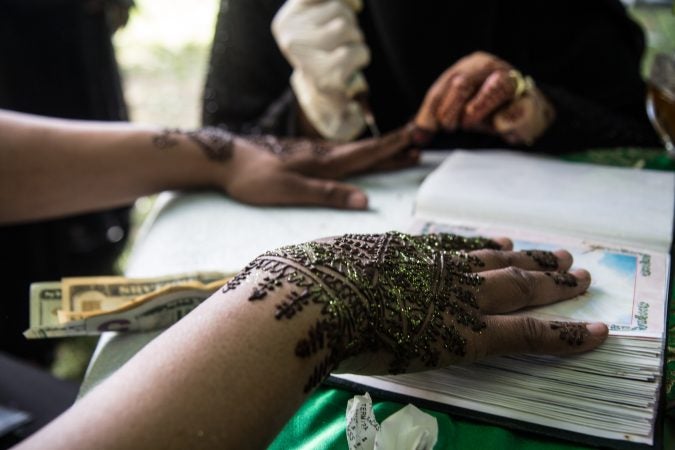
x=407, y=429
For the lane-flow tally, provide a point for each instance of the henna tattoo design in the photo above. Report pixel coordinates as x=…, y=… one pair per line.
x=545, y=260
x=290, y=146
x=573, y=333
x=165, y=139
x=391, y=292
x=217, y=144
x=563, y=278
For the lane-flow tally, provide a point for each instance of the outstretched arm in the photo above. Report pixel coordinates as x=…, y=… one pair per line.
x=232, y=372
x=54, y=167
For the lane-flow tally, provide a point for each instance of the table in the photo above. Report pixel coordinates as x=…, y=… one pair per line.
x=208, y=231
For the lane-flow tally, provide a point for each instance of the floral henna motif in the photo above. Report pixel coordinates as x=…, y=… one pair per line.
x=573, y=333
x=391, y=292
x=217, y=144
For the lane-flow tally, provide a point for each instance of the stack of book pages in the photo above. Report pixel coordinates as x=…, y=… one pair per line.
x=617, y=223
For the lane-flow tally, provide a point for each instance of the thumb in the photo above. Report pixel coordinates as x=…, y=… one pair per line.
x=426, y=123
x=296, y=189
x=425, y=119
x=513, y=334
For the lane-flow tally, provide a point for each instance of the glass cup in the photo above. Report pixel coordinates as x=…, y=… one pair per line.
x=661, y=99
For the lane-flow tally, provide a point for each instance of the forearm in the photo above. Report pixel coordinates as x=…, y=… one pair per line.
x=224, y=377
x=51, y=167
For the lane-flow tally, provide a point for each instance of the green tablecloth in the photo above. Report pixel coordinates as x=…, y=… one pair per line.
x=320, y=423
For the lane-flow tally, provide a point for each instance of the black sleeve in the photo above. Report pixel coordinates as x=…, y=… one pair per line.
x=247, y=87
x=582, y=123
x=586, y=58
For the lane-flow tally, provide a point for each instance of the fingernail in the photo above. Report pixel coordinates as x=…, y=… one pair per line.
x=357, y=200
x=583, y=276
x=564, y=257
x=597, y=329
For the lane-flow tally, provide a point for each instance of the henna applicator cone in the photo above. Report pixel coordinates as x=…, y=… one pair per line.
x=362, y=99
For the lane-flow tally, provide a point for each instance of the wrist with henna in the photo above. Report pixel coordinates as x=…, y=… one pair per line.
x=287, y=147
x=216, y=144
x=409, y=298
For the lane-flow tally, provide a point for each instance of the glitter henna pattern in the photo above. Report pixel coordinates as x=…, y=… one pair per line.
x=217, y=144
x=563, y=278
x=544, y=259
x=391, y=292
x=573, y=333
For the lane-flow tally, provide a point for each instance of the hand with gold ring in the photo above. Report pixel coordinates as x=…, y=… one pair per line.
x=472, y=92
x=525, y=118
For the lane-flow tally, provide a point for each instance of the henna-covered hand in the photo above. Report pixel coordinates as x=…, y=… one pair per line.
x=483, y=93
x=393, y=303
x=269, y=170
x=266, y=170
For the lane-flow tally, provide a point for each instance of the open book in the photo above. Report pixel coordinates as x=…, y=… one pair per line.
x=617, y=223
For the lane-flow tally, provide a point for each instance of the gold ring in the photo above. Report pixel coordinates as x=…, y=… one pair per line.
x=523, y=84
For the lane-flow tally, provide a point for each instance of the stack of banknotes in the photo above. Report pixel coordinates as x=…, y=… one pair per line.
x=91, y=305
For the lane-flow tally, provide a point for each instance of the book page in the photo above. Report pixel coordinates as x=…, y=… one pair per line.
x=629, y=287
x=515, y=190
x=610, y=393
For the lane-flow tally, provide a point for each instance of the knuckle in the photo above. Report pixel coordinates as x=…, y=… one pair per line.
x=494, y=81
x=522, y=282
x=501, y=76
x=459, y=84
x=329, y=190
x=502, y=259
x=533, y=333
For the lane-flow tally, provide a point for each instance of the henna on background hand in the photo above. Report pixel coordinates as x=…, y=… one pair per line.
x=166, y=138
x=216, y=143
x=286, y=147
x=390, y=292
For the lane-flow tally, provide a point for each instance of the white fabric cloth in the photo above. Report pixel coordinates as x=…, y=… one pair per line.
x=321, y=39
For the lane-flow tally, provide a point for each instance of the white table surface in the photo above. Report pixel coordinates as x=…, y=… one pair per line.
x=188, y=232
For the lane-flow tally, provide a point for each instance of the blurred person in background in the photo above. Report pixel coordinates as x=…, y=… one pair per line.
x=58, y=60
x=522, y=74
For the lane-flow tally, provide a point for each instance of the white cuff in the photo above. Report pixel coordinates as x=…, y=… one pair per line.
x=334, y=115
